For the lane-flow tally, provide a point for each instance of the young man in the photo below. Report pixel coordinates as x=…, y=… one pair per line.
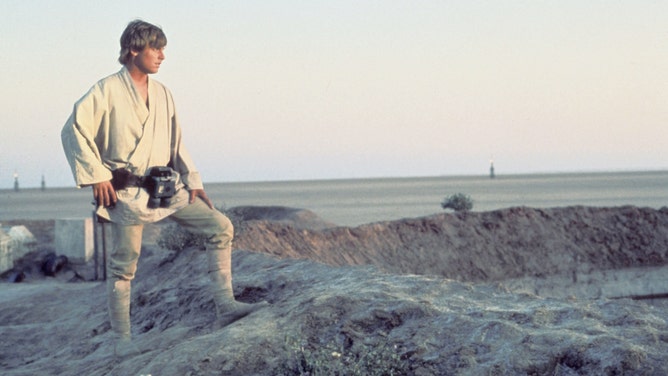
x=124, y=140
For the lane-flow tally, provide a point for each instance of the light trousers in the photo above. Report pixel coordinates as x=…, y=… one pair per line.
x=197, y=218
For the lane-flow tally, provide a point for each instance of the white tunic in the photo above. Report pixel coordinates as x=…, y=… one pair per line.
x=111, y=127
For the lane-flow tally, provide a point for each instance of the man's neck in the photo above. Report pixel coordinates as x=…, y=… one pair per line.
x=138, y=77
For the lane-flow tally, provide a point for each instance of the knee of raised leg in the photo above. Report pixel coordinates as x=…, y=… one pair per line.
x=222, y=231
x=226, y=227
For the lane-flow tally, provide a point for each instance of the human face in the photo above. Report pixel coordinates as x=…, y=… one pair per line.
x=148, y=61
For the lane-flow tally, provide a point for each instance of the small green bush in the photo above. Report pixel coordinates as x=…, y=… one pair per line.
x=458, y=202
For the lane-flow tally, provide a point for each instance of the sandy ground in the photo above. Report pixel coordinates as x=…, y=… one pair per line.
x=345, y=298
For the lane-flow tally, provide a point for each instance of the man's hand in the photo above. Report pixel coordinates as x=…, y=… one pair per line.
x=104, y=194
x=201, y=194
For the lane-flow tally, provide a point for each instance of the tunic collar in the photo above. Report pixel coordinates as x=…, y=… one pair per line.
x=138, y=103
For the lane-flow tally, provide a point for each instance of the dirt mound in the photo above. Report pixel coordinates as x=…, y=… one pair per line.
x=485, y=246
x=335, y=320
x=476, y=246
x=321, y=319
x=298, y=218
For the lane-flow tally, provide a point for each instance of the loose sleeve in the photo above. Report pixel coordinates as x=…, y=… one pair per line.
x=78, y=138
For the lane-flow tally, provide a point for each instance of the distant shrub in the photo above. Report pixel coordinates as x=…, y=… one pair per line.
x=458, y=202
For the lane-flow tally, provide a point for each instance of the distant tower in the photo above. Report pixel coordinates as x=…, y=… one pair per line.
x=16, y=181
x=43, y=183
x=491, y=170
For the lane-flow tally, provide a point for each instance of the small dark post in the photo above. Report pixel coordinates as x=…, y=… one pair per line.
x=100, y=245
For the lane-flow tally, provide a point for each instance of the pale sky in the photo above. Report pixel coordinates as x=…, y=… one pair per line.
x=284, y=90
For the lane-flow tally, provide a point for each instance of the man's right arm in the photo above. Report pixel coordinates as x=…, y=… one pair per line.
x=79, y=144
